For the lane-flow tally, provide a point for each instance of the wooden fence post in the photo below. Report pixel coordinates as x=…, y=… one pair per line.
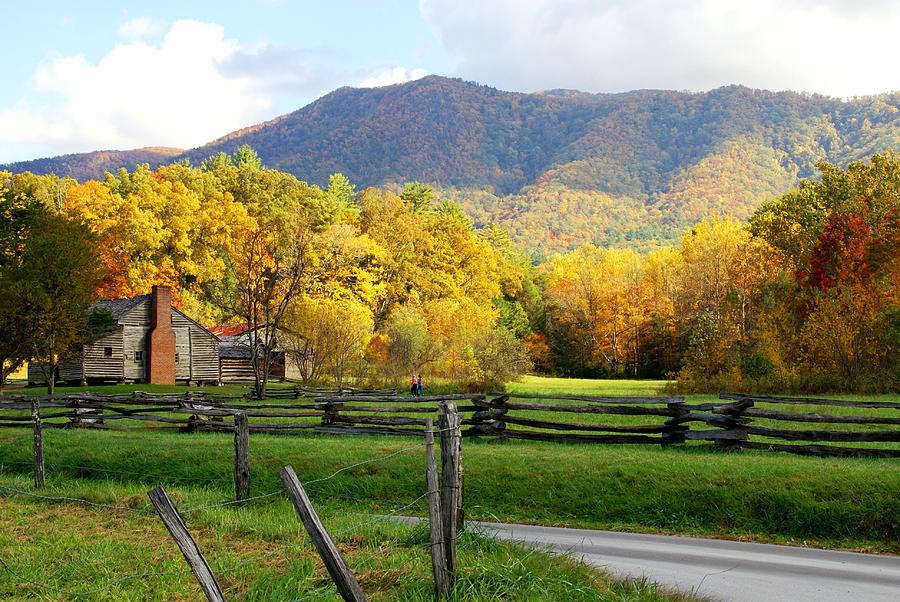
x=173, y=522
x=38, y=444
x=241, y=456
x=435, y=519
x=448, y=422
x=337, y=567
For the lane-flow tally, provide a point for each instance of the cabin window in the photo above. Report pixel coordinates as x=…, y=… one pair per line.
x=107, y=352
x=139, y=356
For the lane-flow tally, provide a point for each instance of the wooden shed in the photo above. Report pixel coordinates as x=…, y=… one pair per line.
x=151, y=341
x=234, y=356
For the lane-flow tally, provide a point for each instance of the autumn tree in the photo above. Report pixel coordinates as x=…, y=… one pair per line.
x=326, y=336
x=56, y=284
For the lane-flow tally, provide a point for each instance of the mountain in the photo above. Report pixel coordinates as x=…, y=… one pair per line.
x=93, y=165
x=562, y=167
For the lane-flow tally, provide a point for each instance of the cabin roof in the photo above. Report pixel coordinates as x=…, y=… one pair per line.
x=120, y=307
x=228, y=330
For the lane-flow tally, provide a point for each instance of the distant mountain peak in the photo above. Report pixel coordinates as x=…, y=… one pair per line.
x=611, y=168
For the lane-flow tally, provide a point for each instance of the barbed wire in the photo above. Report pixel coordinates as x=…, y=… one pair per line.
x=59, y=498
x=363, y=463
x=231, y=502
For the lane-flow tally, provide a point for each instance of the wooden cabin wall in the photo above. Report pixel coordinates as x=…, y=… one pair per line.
x=96, y=363
x=204, y=356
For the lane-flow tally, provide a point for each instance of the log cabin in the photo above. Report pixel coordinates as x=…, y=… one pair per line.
x=150, y=342
x=234, y=356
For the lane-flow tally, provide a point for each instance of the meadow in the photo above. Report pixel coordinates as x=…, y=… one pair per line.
x=262, y=552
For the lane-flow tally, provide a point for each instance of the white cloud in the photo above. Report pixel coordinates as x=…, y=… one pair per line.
x=828, y=46
x=397, y=75
x=141, y=27
x=192, y=87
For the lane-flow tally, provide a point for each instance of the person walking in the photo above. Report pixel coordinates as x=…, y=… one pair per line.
x=420, y=387
x=414, y=387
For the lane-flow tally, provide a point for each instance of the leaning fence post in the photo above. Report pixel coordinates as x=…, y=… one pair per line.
x=173, y=522
x=38, y=444
x=435, y=520
x=337, y=567
x=448, y=421
x=241, y=456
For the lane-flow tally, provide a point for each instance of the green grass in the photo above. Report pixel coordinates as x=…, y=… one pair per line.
x=78, y=548
x=583, y=386
x=694, y=490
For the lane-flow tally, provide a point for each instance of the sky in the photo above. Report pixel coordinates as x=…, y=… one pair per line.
x=89, y=75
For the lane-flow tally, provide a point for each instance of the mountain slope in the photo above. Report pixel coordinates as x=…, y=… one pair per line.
x=564, y=167
x=93, y=165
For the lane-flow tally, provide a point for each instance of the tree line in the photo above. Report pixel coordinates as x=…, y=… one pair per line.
x=381, y=283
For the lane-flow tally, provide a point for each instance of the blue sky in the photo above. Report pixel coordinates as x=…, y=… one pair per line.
x=90, y=75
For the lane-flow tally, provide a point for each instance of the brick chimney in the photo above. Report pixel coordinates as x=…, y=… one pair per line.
x=161, y=339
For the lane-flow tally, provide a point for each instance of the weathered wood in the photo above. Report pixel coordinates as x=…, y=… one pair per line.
x=435, y=518
x=382, y=420
x=47, y=416
x=241, y=457
x=448, y=423
x=612, y=428
x=813, y=401
x=727, y=421
x=594, y=398
x=173, y=522
x=38, y=444
x=806, y=417
x=338, y=429
x=424, y=399
x=394, y=409
x=736, y=434
x=569, y=438
x=337, y=567
x=574, y=409
x=821, y=450
x=676, y=434
x=792, y=435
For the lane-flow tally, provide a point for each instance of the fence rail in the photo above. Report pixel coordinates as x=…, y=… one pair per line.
x=736, y=421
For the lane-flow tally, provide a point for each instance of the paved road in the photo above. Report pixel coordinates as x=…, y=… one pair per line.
x=723, y=570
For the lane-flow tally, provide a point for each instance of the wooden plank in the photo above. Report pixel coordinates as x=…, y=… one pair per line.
x=381, y=420
x=594, y=398
x=448, y=423
x=361, y=430
x=737, y=434
x=570, y=438
x=425, y=399
x=793, y=435
x=241, y=457
x=813, y=401
x=821, y=450
x=575, y=409
x=391, y=409
x=435, y=518
x=38, y=444
x=612, y=428
x=808, y=417
x=337, y=567
x=173, y=522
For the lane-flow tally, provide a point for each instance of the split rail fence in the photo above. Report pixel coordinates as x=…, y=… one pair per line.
x=735, y=421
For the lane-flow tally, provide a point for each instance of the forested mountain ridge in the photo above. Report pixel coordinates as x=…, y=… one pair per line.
x=93, y=165
x=562, y=167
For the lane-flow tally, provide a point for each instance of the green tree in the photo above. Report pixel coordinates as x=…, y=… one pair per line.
x=56, y=283
x=418, y=196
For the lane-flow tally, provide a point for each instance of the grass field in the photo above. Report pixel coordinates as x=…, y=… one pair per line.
x=261, y=551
